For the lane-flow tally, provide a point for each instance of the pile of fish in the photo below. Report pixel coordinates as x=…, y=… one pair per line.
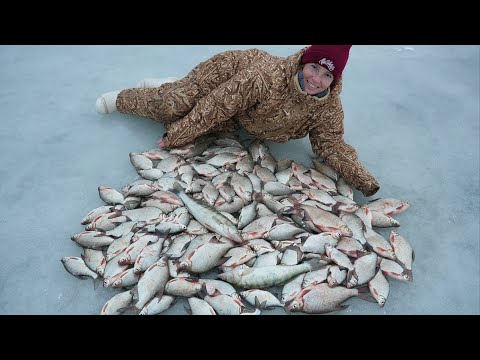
x=225, y=225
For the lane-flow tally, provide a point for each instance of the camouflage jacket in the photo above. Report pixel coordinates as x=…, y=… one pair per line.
x=261, y=93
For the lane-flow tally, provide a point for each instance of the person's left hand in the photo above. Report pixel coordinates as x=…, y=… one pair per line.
x=161, y=142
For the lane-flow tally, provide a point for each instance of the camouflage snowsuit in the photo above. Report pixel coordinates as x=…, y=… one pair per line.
x=261, y=93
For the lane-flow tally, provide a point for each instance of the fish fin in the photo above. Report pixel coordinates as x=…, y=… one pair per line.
x=160, y=234
x=134, y=292
x=203, y=292
x=159, y=293
x=350, y=274
x=413, y=255
x=83, y=277
x=410, y=275
x=115, y=214
x=374, y=200
x=363, y=289
x=177, y=188
x=97, y=281
x=336, y=206
x=188, y=310
x=129, y=310
x=360, y=254
x=257, y=303
x=367, y=297
x=223, y=260
x=340, y=307
x=314, y=264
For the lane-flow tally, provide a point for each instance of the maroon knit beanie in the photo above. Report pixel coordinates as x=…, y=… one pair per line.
x=331, y=57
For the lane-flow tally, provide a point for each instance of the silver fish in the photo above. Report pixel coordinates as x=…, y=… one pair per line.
x=264, y=277
x=255, y=297
x=325, y=169
x=200, y=307
x=149, y=255
x=394, y=270
x=379, y=219
x=403, y=251
x=350, y=247
x=269, y=162
x=256, y=182
x=211, y=219
x=321, y=298
x=225, y=304
x=96, y=212
x=140, y=161
x=110, y=195
x=152, y=282
x=336, y=276
x=117, y=302
x=292, y=288
x=388, y=206
x=206, y=256
x=316, y=277
x=247, y=215
x=271, y=258
x=379, y=244
x=112, y=269
x=245, y=165
x=264, y=174
x=379, y=288
x=118, y=245
x=77, y=267
x=344, y=188
x=364, y=270
x=157, y=305
x=355, y=224
x=95, y=260
x=186, y=287
x=151, y=174
x=242, y=186
x=276, y=188
x=132, y=202
x=316, y=243
x=92, y=239
x=125, y=279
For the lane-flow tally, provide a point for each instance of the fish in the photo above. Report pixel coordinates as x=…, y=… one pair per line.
x=320, y=299
x=157, y=305
x=265, y=277
x=118, y=301
x=200, y=307
x=388, y=206
x=208, y=217
x=77, y=267
x=379, y=288
x=403, y=251
x=110, y=195
x=260, y=298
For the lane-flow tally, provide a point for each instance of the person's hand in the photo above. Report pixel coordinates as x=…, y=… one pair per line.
x=161, y=142
x=371, y=189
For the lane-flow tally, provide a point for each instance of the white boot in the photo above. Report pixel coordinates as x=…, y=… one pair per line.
x=153, y=83
x=107, y=103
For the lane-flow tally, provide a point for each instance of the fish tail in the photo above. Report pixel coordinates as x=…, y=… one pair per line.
x=314, y=264
x=177, y=188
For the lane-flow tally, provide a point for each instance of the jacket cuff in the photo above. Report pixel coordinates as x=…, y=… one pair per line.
x=370, y=188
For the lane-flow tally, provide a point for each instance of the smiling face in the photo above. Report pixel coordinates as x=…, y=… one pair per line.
x=316, y=78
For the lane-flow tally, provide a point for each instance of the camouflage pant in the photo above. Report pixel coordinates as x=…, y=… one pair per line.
x=172, y=101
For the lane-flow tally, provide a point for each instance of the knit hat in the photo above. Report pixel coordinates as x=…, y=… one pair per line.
x=331, y=57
